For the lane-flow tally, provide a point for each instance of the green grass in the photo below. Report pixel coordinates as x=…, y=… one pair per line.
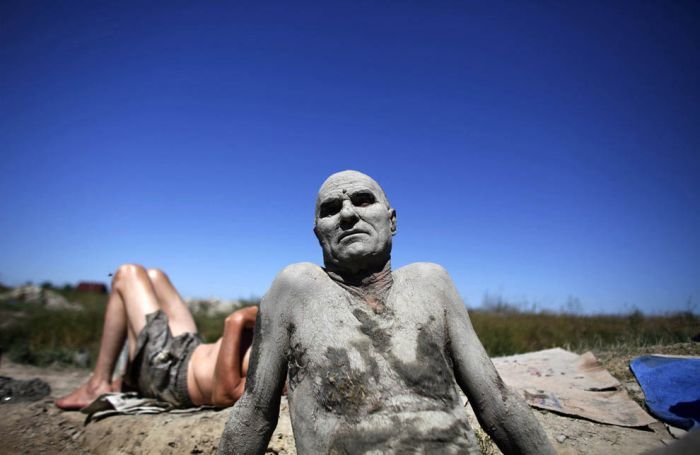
x=35, y=335
x=38, y=336
x=211, y=327
x=517, y=332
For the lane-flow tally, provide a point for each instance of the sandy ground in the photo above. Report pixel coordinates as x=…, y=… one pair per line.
x=40, y=427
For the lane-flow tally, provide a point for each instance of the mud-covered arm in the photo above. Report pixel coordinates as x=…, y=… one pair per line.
x=228, y=372
x=502, y=413
x=254, y=417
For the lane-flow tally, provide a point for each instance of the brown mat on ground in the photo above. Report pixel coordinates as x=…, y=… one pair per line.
x=571, y=384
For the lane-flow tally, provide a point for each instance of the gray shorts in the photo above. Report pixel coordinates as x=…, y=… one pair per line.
x=159, y=367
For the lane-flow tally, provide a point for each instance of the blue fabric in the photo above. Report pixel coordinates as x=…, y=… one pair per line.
x=671, y=387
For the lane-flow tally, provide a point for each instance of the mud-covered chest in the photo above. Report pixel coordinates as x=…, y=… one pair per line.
x=359, y=358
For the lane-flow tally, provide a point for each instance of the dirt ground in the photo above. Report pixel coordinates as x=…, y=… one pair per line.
x=40, y=427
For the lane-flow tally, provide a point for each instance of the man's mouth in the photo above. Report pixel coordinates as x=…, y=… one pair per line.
x=350, y=234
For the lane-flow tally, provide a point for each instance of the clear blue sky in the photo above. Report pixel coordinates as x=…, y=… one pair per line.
x=536, y=150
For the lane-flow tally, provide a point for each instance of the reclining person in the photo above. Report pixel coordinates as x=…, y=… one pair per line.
x=167, y=359
x=373, y=356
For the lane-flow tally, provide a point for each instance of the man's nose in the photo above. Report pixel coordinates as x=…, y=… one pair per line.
x=348, y=215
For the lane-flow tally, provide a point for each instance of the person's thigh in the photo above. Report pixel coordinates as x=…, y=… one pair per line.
x=179, y=315
x=132, y=286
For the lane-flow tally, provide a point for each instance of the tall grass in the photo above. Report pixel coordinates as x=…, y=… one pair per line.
x=506, y=333
x=32, y=334
x=37, y=335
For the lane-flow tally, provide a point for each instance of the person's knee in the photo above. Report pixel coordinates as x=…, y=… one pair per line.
x=128, y=273
x=157, y=276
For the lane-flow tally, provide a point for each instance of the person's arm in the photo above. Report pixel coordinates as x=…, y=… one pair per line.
x=229, y=381
x=254, y=417
x=501, y=412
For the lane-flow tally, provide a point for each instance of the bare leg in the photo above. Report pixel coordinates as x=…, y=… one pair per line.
x=179, y=316
x=132, y=298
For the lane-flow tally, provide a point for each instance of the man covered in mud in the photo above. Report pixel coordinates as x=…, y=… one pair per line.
x=373, y=355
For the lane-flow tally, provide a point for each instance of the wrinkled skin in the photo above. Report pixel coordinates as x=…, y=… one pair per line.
x=373, y=357
x=354, y=223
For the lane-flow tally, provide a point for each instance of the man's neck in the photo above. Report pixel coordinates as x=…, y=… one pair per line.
x=364, y=276
x=369, y=285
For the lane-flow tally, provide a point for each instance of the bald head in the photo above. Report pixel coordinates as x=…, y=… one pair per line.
x=347, y=180
x=354, y=222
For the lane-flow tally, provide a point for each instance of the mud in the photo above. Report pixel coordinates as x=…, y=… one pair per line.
x=430, y=375
x=379, y=336
x=18, y=390
x=297, y=361
x=39, y=427
x=405, y=437
x=343, y=390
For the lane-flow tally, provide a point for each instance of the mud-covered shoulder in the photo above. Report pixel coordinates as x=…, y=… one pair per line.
x=430, y=280
x=294, y=283
x=423, y=271
x=299, y=275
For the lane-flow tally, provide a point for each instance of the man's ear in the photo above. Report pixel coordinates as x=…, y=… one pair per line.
x=316, y=234
x=392, y=219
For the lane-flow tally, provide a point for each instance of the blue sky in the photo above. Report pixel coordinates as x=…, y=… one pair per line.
x=538, y=151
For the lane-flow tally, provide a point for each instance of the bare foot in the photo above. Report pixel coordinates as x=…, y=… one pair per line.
x=83, y=396
x=117, y=385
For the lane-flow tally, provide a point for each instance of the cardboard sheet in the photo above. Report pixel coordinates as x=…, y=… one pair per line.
x=572, y=384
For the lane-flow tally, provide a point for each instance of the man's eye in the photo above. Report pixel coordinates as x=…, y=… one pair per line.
x=362, y=199
x=330, y=208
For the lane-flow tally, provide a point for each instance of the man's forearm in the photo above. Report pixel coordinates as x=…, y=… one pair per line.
x=254, y=417
x=249, y=427
x=512, y=425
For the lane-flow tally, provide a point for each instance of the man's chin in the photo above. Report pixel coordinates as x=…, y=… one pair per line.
x=354, y=255
x=356, y=260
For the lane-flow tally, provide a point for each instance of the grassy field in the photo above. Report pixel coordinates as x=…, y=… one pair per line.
x=30, y=333
x=516, y=332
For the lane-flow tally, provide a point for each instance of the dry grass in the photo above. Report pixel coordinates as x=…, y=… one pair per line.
x=32, y=334
x=507, y=333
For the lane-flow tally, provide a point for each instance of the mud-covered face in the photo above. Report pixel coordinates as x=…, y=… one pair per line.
x=354, y=223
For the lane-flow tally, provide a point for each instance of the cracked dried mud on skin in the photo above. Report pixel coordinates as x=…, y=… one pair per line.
x=343, y=389
x=441, y=440
x=429, y=375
